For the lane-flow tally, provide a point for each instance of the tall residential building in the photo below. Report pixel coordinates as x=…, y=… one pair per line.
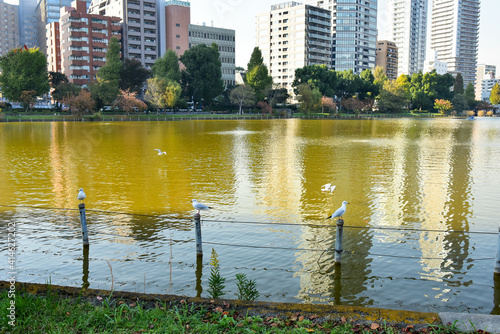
x=293, y=35
x=407, y=27
x=9, y=27
x=225, y=40
x=53, y=47
x=454, y=34
x=140, y=28
x=27, y=23
x=177, y=20
x=84, y=41
x=387, y=58
x=48, y=11
x=483, y=72
x=354, y=33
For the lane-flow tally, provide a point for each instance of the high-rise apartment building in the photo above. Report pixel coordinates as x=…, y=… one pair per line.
x=27, y=23
x=177, y=20
x=9, y=27
x=225, y=40
x=354, y=33
x=293, y=35
x=387, y=58
x=84, y=40
x=140, y=28
x=484, y=72
x=407, y=27
x=48, y=11
x=53, y=47
x=454, y=34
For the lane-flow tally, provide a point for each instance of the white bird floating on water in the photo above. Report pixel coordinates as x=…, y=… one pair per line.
x=340, y=211
x=160, y=152
x=328, y=187
x=200, y=206
x=81, y=195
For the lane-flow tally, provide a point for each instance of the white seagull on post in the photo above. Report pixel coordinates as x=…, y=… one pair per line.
x=340, y=211
x=328, y=187
x=81, y=195
x=200, y=206
x=160, y=152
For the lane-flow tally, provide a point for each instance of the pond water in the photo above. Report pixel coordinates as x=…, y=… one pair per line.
x=421, y=231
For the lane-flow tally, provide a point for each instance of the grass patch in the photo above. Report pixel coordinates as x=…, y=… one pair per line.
x=52, y=313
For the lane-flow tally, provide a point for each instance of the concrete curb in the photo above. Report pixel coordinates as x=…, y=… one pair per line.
x=465, y=322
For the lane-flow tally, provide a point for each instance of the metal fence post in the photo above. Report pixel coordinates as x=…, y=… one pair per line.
x=83, y=222
x=497, y=261
x=197, y=228
x=338, y=240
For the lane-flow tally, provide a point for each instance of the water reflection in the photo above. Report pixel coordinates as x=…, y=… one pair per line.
x=405, y=173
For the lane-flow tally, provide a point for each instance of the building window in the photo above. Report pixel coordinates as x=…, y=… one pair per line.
x=177, y=36
x=177, y=25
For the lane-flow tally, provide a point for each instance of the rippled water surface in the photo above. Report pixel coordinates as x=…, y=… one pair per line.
x=421, y=227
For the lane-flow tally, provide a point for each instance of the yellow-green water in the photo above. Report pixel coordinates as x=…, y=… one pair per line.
x=418, y=175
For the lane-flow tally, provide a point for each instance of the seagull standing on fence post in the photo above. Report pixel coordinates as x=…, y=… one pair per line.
x=340, y=211
x=200, y=206
x=81, y=195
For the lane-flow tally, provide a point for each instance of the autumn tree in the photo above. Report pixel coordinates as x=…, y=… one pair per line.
x=80, y=104
x=328, y=104
x=128, y=102
x=443, y=106
x=24, y=73
x=495, y=94
x=162, y=93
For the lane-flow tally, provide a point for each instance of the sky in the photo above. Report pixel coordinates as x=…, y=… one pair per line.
x=240, y=16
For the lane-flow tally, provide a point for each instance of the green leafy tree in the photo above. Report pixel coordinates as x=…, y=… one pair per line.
x=309, y=98
x=495, y=94
x=242, y=96
x=458, y=88
x=108, y=76
x=379, y=77
x=470, y=95
x=64, y=90
x=367, y=87
x=24, y=73
x=393, y=97
x=443, y=106
x=276, y=95
x=167, y=67
x=459, y=103
x=257, y=75
x=443, y=86
x=202, y=77
x=133, y=75
x=162, y=93
x=316, y=76
x=347, y=85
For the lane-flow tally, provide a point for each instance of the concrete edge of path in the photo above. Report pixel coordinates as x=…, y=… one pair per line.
x=330, y=312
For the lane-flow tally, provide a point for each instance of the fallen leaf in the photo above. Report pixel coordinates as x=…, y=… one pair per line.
x=219, y=309
x=121, y=302
x=293, y=318
x=269, y=318
x=310, y=330
x=343, y=319
x=239, y=325
x=375, y=326
x=274, y=324
x=312, y=317
x=67, y=313
x=301, y=318
x=183, y=301
x=133, y=305
x=99, y=298
x=187, y=327
x=225, y=313
x=226, y=305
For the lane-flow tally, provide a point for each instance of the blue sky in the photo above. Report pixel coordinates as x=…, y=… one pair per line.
x=240, y=16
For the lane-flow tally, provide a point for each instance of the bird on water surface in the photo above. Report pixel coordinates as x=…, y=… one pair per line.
x=340, y=211
x=81, y=195
x=328, y=187
x=160, y=152
x=200, y=206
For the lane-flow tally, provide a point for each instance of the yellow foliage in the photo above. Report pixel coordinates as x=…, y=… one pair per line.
x=481, y=113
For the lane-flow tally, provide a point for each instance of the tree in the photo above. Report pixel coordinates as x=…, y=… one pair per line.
x=64, y=90
x=133, y=75
x=347, y=85
x=257, y=75
x=242, y=96
x=80, y=104
x=443, y=86
x=470, y=95
x=458, y=88
x=276, y=95
x=128, y=102
x=309, y=98
x=443, y=106
x=162, y=93
x=108, y=76
x=316, y=76
x=379, y=76
x=459, y=103
x=495, y=94
x=57, y=78
x=328, y=104
x=167, y=67
x=24, y=70
x=202, y=77
x=366, y=87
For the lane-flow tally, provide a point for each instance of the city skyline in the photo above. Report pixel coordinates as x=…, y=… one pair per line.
x=240, y=16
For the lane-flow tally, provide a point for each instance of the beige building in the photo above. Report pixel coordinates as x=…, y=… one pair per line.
x=9, y=27
x=387, y=58
x=293, y=35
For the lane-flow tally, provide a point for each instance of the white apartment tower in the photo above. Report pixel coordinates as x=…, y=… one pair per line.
x=407, y=27
x=354, y=33
x=293, y=35
x=454, y=34
x=140, y=28
x=484, y=72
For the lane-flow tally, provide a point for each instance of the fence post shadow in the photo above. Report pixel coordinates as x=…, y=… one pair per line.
x=199, y=274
